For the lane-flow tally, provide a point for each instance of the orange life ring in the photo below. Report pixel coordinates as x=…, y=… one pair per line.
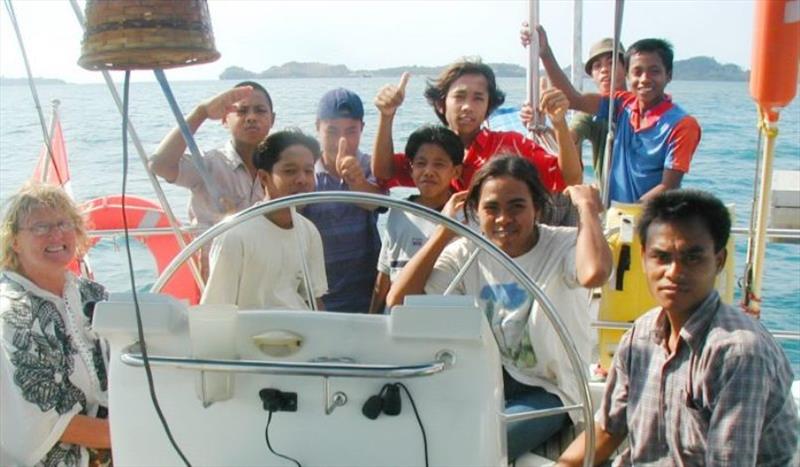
x=106, y=214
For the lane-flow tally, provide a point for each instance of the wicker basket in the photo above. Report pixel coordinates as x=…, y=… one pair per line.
x=146, y=34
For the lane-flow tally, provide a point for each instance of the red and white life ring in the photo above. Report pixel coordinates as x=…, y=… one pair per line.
x=106, y=214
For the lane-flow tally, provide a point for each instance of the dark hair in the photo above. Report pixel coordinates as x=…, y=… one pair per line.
x=258, y=88
x=438, y=135
x=436, y=91
x=660, y=46
x=269, y=151
x=507, y=166
x=677, y=206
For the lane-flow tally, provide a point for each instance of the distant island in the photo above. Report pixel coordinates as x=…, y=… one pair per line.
x=692, y=69
x=24, y=81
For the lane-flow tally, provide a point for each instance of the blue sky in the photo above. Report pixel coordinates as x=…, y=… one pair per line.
x=257, y=34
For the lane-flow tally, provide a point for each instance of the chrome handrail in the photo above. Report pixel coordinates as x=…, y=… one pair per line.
x=540, y=413
x=326, y=369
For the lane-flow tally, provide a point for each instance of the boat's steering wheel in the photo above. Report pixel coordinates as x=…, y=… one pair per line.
x=483, y=244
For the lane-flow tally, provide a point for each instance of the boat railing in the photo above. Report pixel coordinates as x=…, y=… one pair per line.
x=774, y=235
x=132, y=356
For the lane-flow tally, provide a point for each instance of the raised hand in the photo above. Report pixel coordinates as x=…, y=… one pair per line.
x=348, y=167
x=586, y=198
x=224, y=103
x=525, y=37
x=553, y=102
x=526, y=114
x=391, y=96
x=455, y=205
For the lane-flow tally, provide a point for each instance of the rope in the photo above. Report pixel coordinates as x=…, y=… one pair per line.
x=13, y=17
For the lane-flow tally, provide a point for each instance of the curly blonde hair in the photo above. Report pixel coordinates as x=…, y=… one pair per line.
x=30, y=197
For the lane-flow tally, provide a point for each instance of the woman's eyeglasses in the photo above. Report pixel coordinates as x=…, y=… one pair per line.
x=41, y=229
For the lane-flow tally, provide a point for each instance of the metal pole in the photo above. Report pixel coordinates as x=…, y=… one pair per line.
x=532, y=74
x=577, y=44
x=612, y=125
x=13, y=17
x=162, y=198
x=756, y=247
x=310, y=297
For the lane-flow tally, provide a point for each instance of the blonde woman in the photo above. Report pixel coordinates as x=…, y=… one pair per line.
x=53, y=384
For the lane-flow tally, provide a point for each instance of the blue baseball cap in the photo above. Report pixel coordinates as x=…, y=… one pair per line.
x=340, y=103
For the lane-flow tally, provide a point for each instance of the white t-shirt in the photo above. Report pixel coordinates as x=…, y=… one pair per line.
x=405, y=235
x=51, y=368
x=258, y=265
x=529, y=346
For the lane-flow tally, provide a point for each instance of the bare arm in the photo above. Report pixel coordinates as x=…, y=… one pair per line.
x=388, y=100
x=88, y=431
x=605, y=444
x=670, y=180
x=554, y=102
x=378, y=302
x=592, y=255
x=165, y=162
x=415, y=274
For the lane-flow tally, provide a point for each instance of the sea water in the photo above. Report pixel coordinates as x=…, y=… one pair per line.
x=724, y=163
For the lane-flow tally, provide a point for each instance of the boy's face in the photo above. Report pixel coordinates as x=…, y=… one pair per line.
x=648, y=78
x=680, y=264
x=292, y=174
x=331, y=130
x=601, y=73
x=433, y=170
x=251, y=121
x=466, y=104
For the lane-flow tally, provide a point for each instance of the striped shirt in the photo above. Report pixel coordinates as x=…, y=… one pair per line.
x=722, y=398
x=351, y=242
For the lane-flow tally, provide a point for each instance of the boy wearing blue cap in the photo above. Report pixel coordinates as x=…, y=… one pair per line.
x=349, y=232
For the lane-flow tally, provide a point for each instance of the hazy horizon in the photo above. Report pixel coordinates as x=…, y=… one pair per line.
x=256, y=35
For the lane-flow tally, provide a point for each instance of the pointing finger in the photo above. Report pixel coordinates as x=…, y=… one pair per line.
x=544, y=84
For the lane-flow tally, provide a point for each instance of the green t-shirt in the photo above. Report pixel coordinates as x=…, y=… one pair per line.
x=586, y=127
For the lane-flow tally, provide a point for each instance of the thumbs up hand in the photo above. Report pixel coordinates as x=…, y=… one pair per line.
x=553, y=102
x=391, y=96
x=348, y=168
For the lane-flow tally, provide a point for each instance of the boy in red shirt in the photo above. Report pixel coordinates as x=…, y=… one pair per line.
x=463, y=96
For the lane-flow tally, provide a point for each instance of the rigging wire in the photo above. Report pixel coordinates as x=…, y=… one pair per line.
x=139, y=326
x=45, y=133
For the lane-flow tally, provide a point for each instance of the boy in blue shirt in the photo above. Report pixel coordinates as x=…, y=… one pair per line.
x=349, y=232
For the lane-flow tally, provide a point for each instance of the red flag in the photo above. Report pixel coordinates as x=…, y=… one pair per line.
x=55, y=169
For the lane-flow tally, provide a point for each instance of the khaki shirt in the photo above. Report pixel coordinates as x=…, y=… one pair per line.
x=238, y=189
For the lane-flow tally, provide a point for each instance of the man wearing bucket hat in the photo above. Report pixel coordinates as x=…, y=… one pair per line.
x=655, y=138
x=585, y=126
x=349, y=232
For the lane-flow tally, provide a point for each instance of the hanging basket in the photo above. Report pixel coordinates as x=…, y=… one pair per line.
x=146, y=34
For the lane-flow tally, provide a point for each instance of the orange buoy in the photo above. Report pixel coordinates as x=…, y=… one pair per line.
x=776, y=54
x=106, y=214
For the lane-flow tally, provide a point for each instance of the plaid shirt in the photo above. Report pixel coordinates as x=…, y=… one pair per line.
x=723, y=398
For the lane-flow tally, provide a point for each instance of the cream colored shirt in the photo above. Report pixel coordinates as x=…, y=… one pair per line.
x=238, y=189
x=258, y=265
